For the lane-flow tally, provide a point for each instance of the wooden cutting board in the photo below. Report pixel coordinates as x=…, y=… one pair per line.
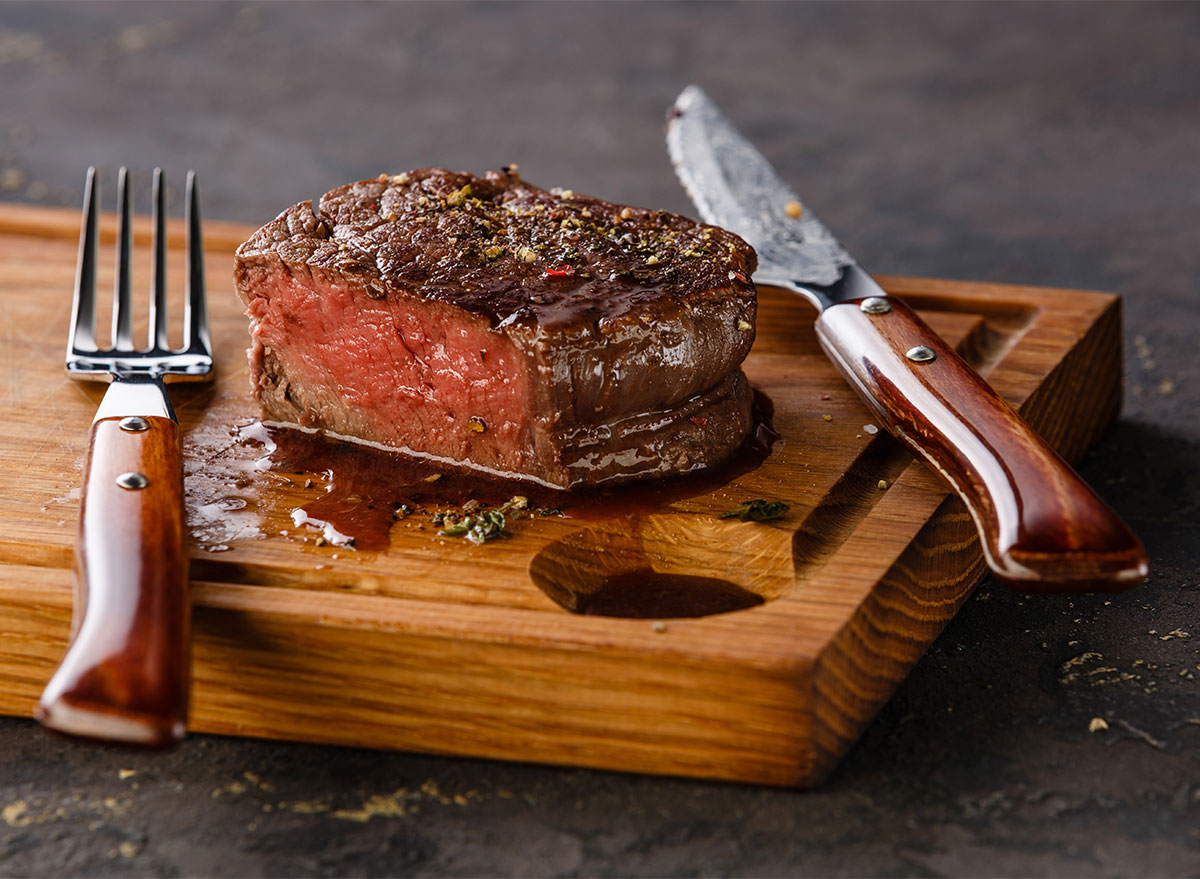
x=440, y=646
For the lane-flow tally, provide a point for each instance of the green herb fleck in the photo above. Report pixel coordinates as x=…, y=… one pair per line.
x=484, y=526
x=479, y=528
x=757, y=510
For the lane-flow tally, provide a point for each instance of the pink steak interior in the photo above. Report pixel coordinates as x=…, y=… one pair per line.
x=396, y=371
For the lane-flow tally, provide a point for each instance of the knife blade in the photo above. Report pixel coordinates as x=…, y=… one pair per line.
x=1041, y=527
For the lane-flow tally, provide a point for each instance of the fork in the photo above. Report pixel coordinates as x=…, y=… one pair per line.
x=125, y=676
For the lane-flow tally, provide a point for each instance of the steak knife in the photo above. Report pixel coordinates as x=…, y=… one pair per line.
x=1042, y=528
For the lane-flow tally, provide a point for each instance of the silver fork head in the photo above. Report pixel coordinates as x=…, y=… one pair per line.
x=192, y=362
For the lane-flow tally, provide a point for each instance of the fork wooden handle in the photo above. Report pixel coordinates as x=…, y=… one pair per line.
x=125, y=676
x=1042, y=527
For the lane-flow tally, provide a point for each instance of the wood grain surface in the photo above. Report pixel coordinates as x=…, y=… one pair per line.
x=438, y=646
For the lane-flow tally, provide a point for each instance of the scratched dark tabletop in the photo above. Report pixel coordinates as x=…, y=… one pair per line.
x=1055, y=145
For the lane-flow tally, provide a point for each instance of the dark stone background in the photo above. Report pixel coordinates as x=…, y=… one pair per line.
x=1047, y=144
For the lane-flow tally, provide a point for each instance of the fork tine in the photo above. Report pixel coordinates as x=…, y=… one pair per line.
x=158, y=290
x=83, y=311
x=195, y=309
x=122, y=322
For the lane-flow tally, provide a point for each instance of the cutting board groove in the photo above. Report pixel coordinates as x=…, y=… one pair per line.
x=446, y=648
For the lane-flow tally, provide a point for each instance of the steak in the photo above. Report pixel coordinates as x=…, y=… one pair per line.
x=484, y=321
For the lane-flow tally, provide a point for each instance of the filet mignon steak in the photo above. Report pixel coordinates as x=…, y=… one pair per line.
x=483, y=321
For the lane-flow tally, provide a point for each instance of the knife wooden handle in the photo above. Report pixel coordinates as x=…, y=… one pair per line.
x=125, y=676
x=1042, y=527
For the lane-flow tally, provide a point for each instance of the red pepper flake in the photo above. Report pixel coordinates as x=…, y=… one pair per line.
x=740, y=277
x=563, y=271
x=826, y=397
x=698, y=421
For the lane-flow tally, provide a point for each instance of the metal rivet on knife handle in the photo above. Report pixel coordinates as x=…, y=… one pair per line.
x=876, y=305
x=134, y=424
x=133, y=480
x=920, y=354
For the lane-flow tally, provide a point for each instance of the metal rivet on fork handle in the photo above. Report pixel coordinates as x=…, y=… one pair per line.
x=133, y=480
x=134, y=424
x=876, y=305
x=920, y=354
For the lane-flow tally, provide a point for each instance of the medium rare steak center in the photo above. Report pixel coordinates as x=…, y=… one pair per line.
x=485, y=322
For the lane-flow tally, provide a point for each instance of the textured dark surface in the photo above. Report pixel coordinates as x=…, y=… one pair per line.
x=1016, y=143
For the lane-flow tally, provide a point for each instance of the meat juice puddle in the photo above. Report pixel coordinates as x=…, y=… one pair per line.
x=367, y=490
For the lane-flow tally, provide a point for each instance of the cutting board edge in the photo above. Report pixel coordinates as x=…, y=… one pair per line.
x=276, y=677
x=839, y=669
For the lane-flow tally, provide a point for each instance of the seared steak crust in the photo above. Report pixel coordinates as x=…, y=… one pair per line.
x=567, y=326
x=514, y=252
